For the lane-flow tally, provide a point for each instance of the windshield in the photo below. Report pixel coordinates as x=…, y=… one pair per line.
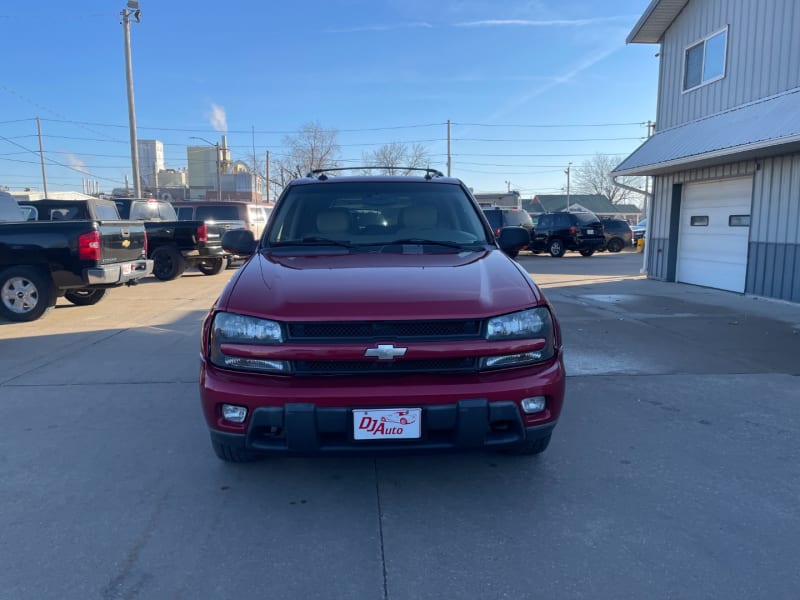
x=377, y=213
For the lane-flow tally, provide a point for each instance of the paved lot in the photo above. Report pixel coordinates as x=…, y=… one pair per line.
x=674, y=473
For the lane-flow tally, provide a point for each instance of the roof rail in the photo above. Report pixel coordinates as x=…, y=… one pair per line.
x=320, y=173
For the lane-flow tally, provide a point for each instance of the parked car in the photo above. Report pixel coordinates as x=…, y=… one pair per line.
x=500, y=217
x=639, y=230
x=42, y=259
x=576, y=231
x=252, y=215
x=411, y=332
x=618, y=234
x=173, y=245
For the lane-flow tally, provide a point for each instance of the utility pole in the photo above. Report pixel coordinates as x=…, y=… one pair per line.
x=449, y=161
x=569, y=166
x=132, y=9
x=266, y=170
x=41, y=156
x=508, y=183
x=219, y=175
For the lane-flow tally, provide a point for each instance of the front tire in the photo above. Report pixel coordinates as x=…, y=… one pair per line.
x=232, y=454
x=586, y=253
x=168, y=263
x=25, y=294
x=212, y=266
x=529, y=447
x=615, y=245
x=85, y=297
x=556, y=248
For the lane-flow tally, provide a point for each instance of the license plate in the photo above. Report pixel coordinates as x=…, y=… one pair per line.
x=387, y=424
x=590, y=231
x=127, y=269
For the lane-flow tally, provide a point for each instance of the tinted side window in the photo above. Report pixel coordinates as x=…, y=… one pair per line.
x=493, y=216
x=516, y=218
x=217, y=213
x=105, y=212
x=184, y=213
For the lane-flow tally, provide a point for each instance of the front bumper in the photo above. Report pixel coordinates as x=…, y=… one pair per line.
x=118, y=273
x=314, y=414
x=309, y=429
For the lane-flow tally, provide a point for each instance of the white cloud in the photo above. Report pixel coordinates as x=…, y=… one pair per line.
x=217, y=118
x=558, y=79
x=76, y=163
x=416, y=25
x=538, y=22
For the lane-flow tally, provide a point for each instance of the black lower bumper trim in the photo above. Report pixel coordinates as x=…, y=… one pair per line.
x=307, y=429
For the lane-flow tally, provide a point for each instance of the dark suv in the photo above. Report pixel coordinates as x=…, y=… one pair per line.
x=508, y=217
x=578, y=231
x=618, y=234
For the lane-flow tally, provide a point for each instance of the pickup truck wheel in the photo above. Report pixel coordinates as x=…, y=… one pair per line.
x=587, y=252
x=25, y=294
x=529, y=448
x=85, y=297
x=168, y=263
x=615, y=245
x=212, y=266
x=232, y=454
x=556, y=248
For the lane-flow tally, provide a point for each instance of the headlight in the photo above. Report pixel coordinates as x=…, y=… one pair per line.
x=535, y=323
x=532, y=323
x=230, y=328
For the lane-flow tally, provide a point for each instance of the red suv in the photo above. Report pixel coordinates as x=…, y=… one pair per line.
x=408, y=331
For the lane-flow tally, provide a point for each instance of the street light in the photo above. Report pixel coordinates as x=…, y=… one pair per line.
x=216, y=146
x=132, y=9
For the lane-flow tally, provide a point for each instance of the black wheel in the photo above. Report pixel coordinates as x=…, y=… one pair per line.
x=232, y=454
x=212, y=266
x=25, y=294
x=556, y=248
x=587, y=252
x=85, y=297
x=615, y=245
x=168, y=263
x=529, y=448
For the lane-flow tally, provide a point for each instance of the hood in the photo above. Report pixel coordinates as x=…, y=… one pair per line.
x=365, y=287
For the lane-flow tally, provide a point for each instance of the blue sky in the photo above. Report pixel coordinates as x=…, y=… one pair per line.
x=377, y=71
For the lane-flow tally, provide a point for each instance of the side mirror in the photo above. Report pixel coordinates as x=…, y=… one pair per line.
x=240, y=242
x=514, y=239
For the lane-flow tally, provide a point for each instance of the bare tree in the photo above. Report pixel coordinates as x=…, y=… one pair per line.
x=312, y=147
x=396, y=158
x=594, y=177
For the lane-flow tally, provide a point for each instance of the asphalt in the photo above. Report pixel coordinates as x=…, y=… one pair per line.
x=674, y=472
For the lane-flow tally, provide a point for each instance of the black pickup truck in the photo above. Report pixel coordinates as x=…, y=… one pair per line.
x=41, y=260
x=173, y=245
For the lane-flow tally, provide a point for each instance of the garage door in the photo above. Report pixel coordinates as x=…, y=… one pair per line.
x=714, y=232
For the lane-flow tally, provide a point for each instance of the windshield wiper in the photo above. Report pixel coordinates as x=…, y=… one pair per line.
x=423, y=241
x=314, y=241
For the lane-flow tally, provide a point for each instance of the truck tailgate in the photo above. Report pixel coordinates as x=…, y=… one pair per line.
x=121, y=241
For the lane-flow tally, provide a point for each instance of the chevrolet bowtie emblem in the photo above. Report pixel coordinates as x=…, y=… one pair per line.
x=385, y=352
x=126, y=243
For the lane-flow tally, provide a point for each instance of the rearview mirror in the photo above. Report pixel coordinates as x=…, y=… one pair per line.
x=239, y=241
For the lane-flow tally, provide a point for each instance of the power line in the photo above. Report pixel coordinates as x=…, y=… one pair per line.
x=538, y=141
x=552, y=125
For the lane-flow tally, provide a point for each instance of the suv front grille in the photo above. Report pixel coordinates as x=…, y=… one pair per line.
x=395, y=330
x=344, y=367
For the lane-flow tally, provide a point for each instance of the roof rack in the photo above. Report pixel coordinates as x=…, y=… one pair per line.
x=320, y=173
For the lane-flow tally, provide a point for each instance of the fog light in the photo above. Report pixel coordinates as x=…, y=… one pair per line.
x=533, y=405
x=233, y=413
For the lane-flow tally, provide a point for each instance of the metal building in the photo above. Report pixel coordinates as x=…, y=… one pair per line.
x=725, y=156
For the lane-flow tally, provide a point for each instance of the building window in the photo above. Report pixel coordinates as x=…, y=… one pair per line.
x=739, y=221
x=699, y=221
x=705, y=60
